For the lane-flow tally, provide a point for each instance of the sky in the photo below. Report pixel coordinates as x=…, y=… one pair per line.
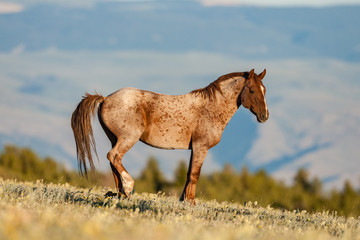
x=52, y=53
x=19, y=5
x=278, y=3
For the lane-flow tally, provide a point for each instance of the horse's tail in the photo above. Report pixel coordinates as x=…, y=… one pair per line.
x=82, y=129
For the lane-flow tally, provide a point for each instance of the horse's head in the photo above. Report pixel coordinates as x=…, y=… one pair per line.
x=252, y=96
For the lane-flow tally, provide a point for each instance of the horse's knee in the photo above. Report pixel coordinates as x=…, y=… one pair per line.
x=114, y=157
x=111, y=156
x=194, y=177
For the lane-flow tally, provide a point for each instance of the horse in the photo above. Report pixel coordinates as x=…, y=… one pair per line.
x=193, y=121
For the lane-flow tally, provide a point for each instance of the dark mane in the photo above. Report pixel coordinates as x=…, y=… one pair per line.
x=210, y=90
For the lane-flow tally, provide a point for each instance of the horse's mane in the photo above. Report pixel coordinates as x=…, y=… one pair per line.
x=212, y=88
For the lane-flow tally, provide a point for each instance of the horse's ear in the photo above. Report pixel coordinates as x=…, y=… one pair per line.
x=262, y=75
x=251, y=74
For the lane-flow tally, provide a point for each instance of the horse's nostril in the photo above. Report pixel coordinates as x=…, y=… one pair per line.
x=263, y=116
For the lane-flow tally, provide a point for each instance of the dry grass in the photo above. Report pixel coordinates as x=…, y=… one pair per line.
x=48, y=211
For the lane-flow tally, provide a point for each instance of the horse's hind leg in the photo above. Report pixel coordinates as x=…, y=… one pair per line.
x=123, y=180
x=121, y=115
x=113, y=140
x=118, y=182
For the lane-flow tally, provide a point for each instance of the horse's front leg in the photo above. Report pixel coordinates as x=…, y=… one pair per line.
x=196, y=161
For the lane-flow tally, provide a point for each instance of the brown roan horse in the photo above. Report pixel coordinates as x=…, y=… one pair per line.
x=193, y=121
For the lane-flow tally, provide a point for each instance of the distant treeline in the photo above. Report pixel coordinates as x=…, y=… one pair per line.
x=226, y=185
x=25, y=165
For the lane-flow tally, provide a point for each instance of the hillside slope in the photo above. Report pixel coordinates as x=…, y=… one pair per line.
x=43, y=211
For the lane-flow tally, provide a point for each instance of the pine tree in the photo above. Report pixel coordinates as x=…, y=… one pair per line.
x=151, y=178
x=180, y=174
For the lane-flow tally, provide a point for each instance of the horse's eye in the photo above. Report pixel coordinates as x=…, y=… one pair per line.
x=251, y=91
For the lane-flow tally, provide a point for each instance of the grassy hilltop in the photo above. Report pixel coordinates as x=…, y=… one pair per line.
x=34, y=210
x=226, y=185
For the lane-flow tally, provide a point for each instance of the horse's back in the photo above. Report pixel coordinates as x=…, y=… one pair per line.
x=164, y=121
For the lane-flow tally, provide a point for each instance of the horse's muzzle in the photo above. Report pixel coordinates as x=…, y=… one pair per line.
x=262, y=117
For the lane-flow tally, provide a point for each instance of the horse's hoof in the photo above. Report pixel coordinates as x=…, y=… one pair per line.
x=188, y=200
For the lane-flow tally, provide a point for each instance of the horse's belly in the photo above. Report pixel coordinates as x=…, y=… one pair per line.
x=167, y=138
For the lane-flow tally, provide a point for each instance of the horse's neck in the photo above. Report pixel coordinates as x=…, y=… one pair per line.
x=223, y=107
x=228, y=101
